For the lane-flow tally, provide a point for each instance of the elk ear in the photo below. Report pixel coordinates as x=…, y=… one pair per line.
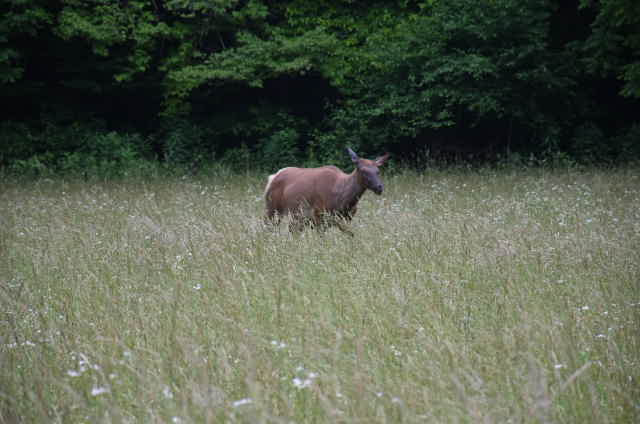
x=382, y=159
x=354, y=156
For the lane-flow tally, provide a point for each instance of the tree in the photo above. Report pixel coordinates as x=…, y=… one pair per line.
x=19, y=21
x=465, y=66
x=613, y=47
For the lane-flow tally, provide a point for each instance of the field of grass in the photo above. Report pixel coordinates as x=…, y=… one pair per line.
x=465, y=296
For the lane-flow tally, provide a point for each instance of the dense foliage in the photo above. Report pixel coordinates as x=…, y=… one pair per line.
x=96, y=83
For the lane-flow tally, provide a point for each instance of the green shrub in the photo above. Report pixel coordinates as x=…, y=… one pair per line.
x=17, y=142
x=105, y=155
x=34, y=166
x=587, y=143
x=280, y=149
x=184, y=144
x=628, y=144
x=239, y=158
x=77, y=149
x=330, y=149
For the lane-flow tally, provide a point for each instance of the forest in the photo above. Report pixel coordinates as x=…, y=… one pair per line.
x=104, y=86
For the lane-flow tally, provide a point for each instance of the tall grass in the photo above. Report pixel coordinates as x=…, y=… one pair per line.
x=465, y=296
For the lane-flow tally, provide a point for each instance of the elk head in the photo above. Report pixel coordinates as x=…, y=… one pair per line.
x=368, y=172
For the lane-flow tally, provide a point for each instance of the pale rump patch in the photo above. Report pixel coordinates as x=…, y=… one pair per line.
x=270, y=180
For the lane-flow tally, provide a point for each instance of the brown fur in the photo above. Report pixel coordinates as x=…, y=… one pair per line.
x=321, y=196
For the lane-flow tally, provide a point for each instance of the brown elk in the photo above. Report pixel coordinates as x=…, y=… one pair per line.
x=321, y=196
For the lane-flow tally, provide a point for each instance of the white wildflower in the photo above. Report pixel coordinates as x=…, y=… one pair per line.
x=99, y=390
x=395, y=351
x=241, y=402
x=167, y=393
x=278, y=345
x=302, y=383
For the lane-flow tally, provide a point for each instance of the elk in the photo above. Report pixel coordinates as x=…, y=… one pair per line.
x=323, y=196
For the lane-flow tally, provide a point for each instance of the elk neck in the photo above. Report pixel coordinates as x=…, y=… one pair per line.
x=351, y=190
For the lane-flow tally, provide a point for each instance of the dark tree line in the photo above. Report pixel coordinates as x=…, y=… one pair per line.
x=95, y=83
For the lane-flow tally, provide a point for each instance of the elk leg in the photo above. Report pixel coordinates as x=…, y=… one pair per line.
x=319, y=220
x=272, y=218
x=340, y=220
x=297, y=223
x=343, y=227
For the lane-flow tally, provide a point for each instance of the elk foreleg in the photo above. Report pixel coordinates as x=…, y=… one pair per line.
x=297, y=223
x=339, y=222
x=272, y=218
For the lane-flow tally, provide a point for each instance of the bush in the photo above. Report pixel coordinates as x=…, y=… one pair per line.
x=105, y=155
x=184, y=144
x=17, y=142
x=79, y=148
x=628, y=144
x=239, y=158
x=280, y=149
x=587, y=143
x=267, y=140
x=36, y=165
x=330, y=149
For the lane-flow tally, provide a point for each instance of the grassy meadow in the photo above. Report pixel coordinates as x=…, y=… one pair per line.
x=465, y=296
